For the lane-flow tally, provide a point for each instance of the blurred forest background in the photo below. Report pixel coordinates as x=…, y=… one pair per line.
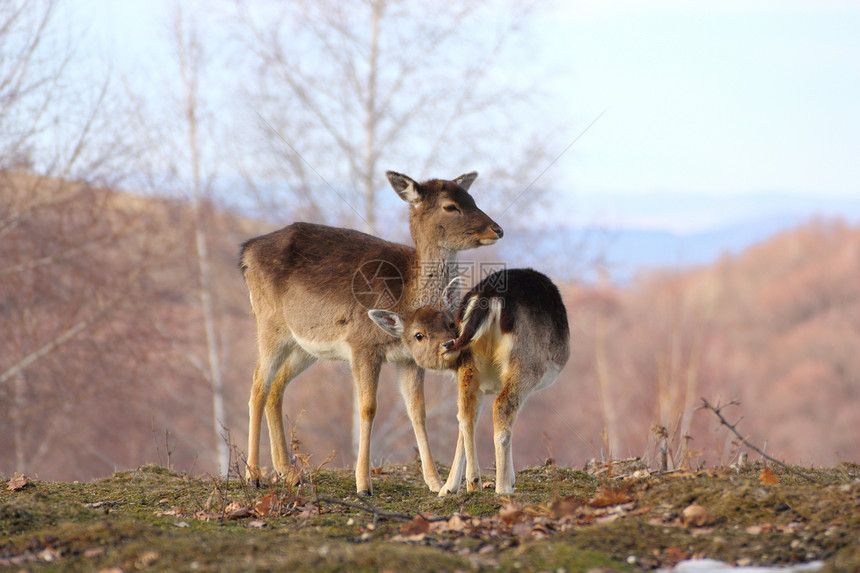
x=125, y=328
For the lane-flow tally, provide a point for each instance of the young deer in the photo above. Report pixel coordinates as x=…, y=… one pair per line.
x=311, y=286
x=513, y=339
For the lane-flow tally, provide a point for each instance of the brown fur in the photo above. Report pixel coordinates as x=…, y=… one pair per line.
x=513, y=339
x=303, y=294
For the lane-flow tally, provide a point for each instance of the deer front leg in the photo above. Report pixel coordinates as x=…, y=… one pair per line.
x=505, y=410
x=458, y=466
x=412, y=387
x=365, y=371
x=455, y=477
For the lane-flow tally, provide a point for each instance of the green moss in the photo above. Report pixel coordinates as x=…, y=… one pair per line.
x=152, y=518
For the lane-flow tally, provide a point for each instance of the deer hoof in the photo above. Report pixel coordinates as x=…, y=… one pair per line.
x=365, y=493
x=253, y=477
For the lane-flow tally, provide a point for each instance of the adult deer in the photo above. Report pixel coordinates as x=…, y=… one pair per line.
x=511, y=338
x=311, y=286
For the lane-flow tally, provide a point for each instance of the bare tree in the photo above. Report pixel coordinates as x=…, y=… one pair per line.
x=343, y=89
x=191, y=59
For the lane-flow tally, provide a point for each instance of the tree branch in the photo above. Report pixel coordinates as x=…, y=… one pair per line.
x=718, y=411
x=377, y=513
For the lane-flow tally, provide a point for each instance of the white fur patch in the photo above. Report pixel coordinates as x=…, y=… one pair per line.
x=325, y=349
x=550, y=376
x=399, y=353
x=491, y=322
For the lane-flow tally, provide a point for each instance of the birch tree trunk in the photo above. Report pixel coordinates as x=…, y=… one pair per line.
x=190, y=56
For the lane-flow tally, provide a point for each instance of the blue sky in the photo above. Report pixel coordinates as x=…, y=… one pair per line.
x=731, y=103
x=717, y=108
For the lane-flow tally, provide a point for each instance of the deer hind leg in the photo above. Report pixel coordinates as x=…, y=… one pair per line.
x=505, y=409
x=365, y=372
x=412, y=388
x=256, y=405
x=296, y=362
x=270, y=367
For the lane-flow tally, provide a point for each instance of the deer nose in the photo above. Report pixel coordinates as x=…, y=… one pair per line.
x=448, y=345
x=498, y=231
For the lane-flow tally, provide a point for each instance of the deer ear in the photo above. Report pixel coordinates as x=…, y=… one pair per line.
x=388, y=321
x=405, y=187
x=465, y=181
x=451, y=296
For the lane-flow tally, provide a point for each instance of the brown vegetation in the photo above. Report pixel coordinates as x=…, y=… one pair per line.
x=776, y=328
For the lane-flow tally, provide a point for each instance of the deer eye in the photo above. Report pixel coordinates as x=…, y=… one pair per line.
x=419, y=336
x=451, y=208
x=452, y=326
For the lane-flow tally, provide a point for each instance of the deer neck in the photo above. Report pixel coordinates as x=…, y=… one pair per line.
x=434, y=269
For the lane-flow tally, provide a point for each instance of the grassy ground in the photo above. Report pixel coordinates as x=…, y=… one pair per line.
x=560, y=519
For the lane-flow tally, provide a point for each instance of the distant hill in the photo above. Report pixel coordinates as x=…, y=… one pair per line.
x=633, y=232
x=776, y=327
x=102, y=342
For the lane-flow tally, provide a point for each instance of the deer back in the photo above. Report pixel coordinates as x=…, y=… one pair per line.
x=515, y=312
x=315, y=283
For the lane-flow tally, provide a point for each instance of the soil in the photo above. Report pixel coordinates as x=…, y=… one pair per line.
x=621, y=518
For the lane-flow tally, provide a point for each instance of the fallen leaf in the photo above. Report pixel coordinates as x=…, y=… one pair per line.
x=237, y=511
x=696, y=516
x=675, y=555
x=768, y=477
x=456, y=524
x=522, y=530
x=566, y=506
x=49, y=554
x=607, y=496
x=146, y=559
x=417, y=526
x=18, y=482
x=758, y=529
x=510, y=513
x=263, y=508
x=308, y=510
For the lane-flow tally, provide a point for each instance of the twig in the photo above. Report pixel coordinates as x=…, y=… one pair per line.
x=377, y=513
x=368, y=507
x=717, y=410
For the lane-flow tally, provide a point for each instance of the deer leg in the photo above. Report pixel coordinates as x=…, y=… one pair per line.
x=296, y=363
x=455, y=477
x=259, y=395
x=271, y=354
x=365, y=371
x=505, y=409
x=458, y=466
x=468, y=404
x=412, y=388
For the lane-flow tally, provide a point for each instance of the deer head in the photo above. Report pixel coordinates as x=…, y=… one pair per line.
x=442, y=213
